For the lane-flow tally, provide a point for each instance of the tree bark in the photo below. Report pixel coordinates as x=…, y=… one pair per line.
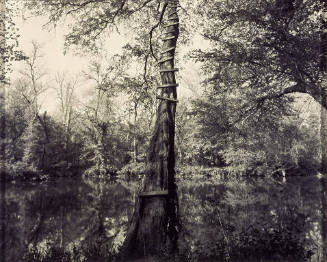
x=153, y=228
x=323, y=127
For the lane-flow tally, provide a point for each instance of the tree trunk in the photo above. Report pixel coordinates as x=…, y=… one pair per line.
x=134, y=134
x=153, y=228
x=323, y=127
x=135, y=151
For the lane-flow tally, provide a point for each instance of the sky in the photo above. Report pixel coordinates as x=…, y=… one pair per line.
x=54, y=60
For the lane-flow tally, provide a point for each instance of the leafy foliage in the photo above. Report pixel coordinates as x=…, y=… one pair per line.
x=260, y=55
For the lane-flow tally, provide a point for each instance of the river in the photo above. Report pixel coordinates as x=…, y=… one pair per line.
x=222, y=219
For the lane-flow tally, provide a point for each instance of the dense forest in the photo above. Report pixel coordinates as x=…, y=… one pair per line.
x=248, y=115
x=247, y=136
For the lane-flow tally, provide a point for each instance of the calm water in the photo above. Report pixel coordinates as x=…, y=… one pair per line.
x=222, y=219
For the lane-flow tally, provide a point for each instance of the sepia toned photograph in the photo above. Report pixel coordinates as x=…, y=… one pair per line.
x=163, y=130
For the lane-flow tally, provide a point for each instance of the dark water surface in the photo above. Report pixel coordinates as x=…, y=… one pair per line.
x=79, y=219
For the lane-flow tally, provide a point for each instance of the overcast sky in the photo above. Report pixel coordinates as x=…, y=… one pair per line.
x=54, y=59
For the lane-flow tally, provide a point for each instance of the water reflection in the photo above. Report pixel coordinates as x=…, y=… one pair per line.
x=253, y=219
x=233, y=219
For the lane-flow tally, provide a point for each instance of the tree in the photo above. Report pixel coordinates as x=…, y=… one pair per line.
x=259, y=55
x=65, y=92
x=189, y=146
x=35, y=155
x=272, y=49
x=139, y=84
x=31, y=86
x=34, y=75
x=104, y=149
x=8, y=53
x=138, y=99
x=154, y=224
x=17, y=116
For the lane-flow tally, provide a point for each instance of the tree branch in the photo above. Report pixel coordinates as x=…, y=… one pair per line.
x=258, y=103
x=145, y=71
x=155, y=26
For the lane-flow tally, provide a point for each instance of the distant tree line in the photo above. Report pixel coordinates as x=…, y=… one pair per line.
x=256, y=113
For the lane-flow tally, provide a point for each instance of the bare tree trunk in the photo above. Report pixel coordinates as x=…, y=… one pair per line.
x=134, y=135
x=154, y=226
x=323, y=128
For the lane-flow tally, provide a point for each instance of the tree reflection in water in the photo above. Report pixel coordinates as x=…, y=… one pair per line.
x=233, y=219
